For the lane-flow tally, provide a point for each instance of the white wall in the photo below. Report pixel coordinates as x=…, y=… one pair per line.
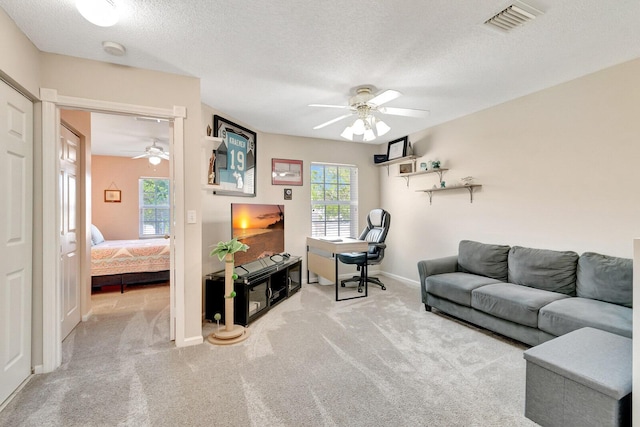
x=20, y=61
x=559, y=170
x=108, y=82
x=216, y=211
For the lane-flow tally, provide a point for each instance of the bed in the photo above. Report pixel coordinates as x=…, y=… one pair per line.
x=127, y=262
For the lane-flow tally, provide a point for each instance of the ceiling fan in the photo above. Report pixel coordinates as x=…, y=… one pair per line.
x=154, y=153
x=366, y=105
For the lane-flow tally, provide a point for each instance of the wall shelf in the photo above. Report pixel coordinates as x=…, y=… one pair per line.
x=398, y=160
x=470, y=188
x=439, y=171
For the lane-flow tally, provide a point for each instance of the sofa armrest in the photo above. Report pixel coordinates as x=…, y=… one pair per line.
x=430, y=267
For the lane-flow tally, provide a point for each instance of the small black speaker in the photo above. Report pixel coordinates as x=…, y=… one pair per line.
x=379, y=158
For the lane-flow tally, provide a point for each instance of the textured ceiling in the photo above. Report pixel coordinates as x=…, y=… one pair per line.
x=263, y=62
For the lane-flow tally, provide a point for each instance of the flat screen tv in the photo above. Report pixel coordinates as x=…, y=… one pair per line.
x=261, y=227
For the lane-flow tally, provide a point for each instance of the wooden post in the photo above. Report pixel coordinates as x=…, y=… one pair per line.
x=231, y=333
x=228, y=289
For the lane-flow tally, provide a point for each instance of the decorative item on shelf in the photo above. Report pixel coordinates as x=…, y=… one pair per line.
x=442, y=184
x=397, y=148
x=467, y=180
x=209, y=130
x=211, y=175
x=232, y=333
x=406, y=167
x=379, y=158
x=423, y=166
x=435, y=164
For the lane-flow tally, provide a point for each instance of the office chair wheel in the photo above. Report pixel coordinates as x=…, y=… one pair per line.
x=359, y=289
x=384, y=288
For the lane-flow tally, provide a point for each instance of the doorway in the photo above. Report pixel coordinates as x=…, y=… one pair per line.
x=51, y=106
x=129, y=205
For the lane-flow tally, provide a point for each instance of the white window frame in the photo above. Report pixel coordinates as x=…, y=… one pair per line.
x=330, y=227
x=142, y=207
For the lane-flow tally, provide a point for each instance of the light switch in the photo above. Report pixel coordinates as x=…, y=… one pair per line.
x=191, y=217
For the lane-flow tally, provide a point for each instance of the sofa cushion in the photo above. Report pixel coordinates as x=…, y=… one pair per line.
x=456, y=287
x=519, y=304
x=605, y=278
x=484, y=259
x=544, y=269
x=563, y=316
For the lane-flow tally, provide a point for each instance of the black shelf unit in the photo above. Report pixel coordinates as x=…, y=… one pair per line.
x=260, y=285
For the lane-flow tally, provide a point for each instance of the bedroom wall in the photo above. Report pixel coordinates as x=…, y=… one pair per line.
x=559, y=170
x=216, y=210
x=119, y=221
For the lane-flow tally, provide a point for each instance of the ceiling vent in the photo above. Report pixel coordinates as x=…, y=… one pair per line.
x=513, y=16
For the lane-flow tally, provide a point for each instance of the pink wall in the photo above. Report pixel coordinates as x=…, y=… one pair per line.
x=119, y=221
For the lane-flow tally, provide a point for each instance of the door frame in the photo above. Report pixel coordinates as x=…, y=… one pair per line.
x=52, y=103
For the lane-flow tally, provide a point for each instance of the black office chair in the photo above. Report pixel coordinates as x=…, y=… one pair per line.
x=378, y=222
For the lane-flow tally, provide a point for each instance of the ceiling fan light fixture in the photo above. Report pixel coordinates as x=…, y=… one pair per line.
x=358, y=127
x=369, y=135
x=155, y=160
x=381, y=127
x=347, y=133
x=102, y=13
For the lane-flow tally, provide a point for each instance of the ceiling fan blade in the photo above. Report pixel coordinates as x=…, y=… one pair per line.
x=141, y=156
x=329, y=106
x=407, y=112
x=164, y=156
x=337, y=119
x=384, y=97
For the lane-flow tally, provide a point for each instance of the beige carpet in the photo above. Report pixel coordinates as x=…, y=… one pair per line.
x=311, y=361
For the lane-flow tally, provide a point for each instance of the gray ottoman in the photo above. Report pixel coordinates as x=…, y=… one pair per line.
x=580, y=379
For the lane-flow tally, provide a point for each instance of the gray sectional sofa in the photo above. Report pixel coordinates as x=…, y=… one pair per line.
x=530, y=295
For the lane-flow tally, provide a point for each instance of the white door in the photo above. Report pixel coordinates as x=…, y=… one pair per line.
x=16, y=179
x=69, y=257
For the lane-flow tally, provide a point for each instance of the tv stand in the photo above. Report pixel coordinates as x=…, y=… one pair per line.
x=260, y=285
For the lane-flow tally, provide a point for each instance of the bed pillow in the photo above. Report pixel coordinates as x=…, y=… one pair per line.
x=96, y=235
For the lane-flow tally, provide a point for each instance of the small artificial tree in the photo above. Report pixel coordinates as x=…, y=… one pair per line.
x=232, y=333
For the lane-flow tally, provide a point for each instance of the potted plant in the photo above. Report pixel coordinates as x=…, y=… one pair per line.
x=231, y=333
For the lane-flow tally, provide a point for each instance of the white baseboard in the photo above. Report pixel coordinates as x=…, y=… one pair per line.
x=38, y=369
x=87, y=316
x=187, y=342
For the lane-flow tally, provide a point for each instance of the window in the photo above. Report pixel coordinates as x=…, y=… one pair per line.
x=334, y=200
x=154, y=207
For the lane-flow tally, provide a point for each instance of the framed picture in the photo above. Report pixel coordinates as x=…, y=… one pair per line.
x=406, y=167
x=112, y=196
x=235, y=159
x=286, y=172
x=397, y=148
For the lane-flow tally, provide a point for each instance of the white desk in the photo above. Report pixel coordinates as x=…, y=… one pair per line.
x=322, y=258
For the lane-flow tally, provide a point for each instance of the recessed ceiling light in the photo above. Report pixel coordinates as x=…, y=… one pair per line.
x=114, y=48
x=102, y=13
